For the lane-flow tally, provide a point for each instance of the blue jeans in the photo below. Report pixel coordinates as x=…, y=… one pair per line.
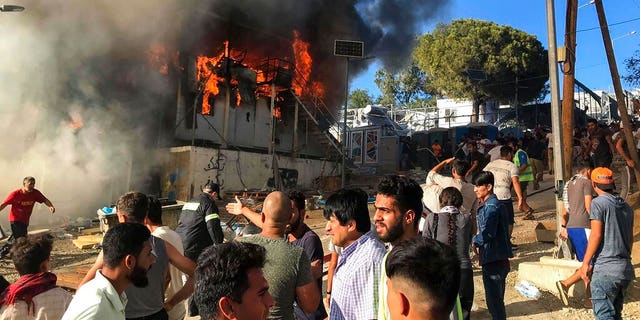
x=607, y=295
x=494, y=275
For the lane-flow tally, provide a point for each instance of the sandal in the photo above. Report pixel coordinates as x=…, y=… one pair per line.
x=562, y=291
x=529, y=215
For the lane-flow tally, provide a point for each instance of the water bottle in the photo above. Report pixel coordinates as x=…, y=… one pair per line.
x=527, y=290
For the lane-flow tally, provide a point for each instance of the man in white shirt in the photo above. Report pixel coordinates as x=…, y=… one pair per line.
x=437, y=182
x=127, y=257
x=506, y=174
x=494, y=153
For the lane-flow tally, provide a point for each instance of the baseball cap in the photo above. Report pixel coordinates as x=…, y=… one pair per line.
x=603, y=178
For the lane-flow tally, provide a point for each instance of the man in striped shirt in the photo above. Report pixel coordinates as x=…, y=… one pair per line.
x=355, y=281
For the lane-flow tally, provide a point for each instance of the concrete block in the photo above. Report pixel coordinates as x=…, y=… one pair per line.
x=546, y=231
x=544, y=274
x=561, y=262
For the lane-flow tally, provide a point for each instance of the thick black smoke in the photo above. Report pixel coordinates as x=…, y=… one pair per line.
x=387, y=27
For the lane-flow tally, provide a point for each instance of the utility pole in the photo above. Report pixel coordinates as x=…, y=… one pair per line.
x=345, y=150
x=556, y=124
x=568, y=84
x=348, y=49
x=617, y=86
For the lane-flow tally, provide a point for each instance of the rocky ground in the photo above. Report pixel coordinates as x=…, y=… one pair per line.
x=548, y=306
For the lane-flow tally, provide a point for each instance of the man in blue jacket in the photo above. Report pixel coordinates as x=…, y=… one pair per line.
x=492, y=244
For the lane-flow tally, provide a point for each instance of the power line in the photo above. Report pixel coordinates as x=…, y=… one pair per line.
x=609, y=25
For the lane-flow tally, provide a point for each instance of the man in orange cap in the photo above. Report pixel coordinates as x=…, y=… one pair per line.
x=608, y=253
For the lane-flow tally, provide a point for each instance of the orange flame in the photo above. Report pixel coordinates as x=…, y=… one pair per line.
x=211, y=86
x=76, y=121
x=159, y=57
x=301, y=84
x=277, y=112
x=303, y=62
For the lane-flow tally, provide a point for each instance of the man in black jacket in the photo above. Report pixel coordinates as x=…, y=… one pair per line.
x=199, y=226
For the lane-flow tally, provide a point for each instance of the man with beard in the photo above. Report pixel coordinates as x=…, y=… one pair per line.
x=355, y=281
x=231, y=283
x=398, y=211
x=148, y=303
x=127, y=256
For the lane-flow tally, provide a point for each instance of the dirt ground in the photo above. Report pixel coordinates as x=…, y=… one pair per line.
x=66, y=256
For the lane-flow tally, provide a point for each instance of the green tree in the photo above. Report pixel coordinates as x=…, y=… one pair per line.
x=408, y=87
x=360, y=98
x=481, y=60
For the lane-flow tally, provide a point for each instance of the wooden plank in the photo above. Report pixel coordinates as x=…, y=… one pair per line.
x=91, y=231
x=84, y=244
x=39, y=232
x=93, y=237
x=87, y=242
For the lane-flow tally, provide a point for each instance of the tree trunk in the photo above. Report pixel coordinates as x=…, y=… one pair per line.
x=475, y=112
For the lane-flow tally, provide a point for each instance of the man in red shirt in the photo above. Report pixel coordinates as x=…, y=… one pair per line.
x=22, y=201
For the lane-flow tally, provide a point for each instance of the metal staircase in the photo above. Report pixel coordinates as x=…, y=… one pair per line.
x=327, y=130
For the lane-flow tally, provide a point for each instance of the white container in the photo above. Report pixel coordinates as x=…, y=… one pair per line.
x=107, y=220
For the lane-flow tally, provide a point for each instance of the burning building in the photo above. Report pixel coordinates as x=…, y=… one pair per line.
x=163, y=96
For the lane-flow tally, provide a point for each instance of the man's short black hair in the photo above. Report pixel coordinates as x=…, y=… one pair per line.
x=298, y=199
x=439, y=276
x=222, y=272
x=28, y=179
x=484, y=178
x=29, y=252
x=134, y=205
x=347, y=205
x=155, y=211
x=121, y=240
x=461, y=166
x=212, y=187
x=505, y=151
x=406, y=191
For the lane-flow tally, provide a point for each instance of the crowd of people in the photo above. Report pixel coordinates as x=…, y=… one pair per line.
x=410, y=259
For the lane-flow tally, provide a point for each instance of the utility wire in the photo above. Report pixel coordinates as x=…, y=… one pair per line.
x=610, y=25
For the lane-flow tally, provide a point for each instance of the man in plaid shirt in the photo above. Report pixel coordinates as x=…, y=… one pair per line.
x=355, y=281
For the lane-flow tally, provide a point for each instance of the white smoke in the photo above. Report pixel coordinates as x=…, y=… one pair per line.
x=58, y=59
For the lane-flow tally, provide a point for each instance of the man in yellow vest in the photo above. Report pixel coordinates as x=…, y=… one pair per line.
x=521, y=160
